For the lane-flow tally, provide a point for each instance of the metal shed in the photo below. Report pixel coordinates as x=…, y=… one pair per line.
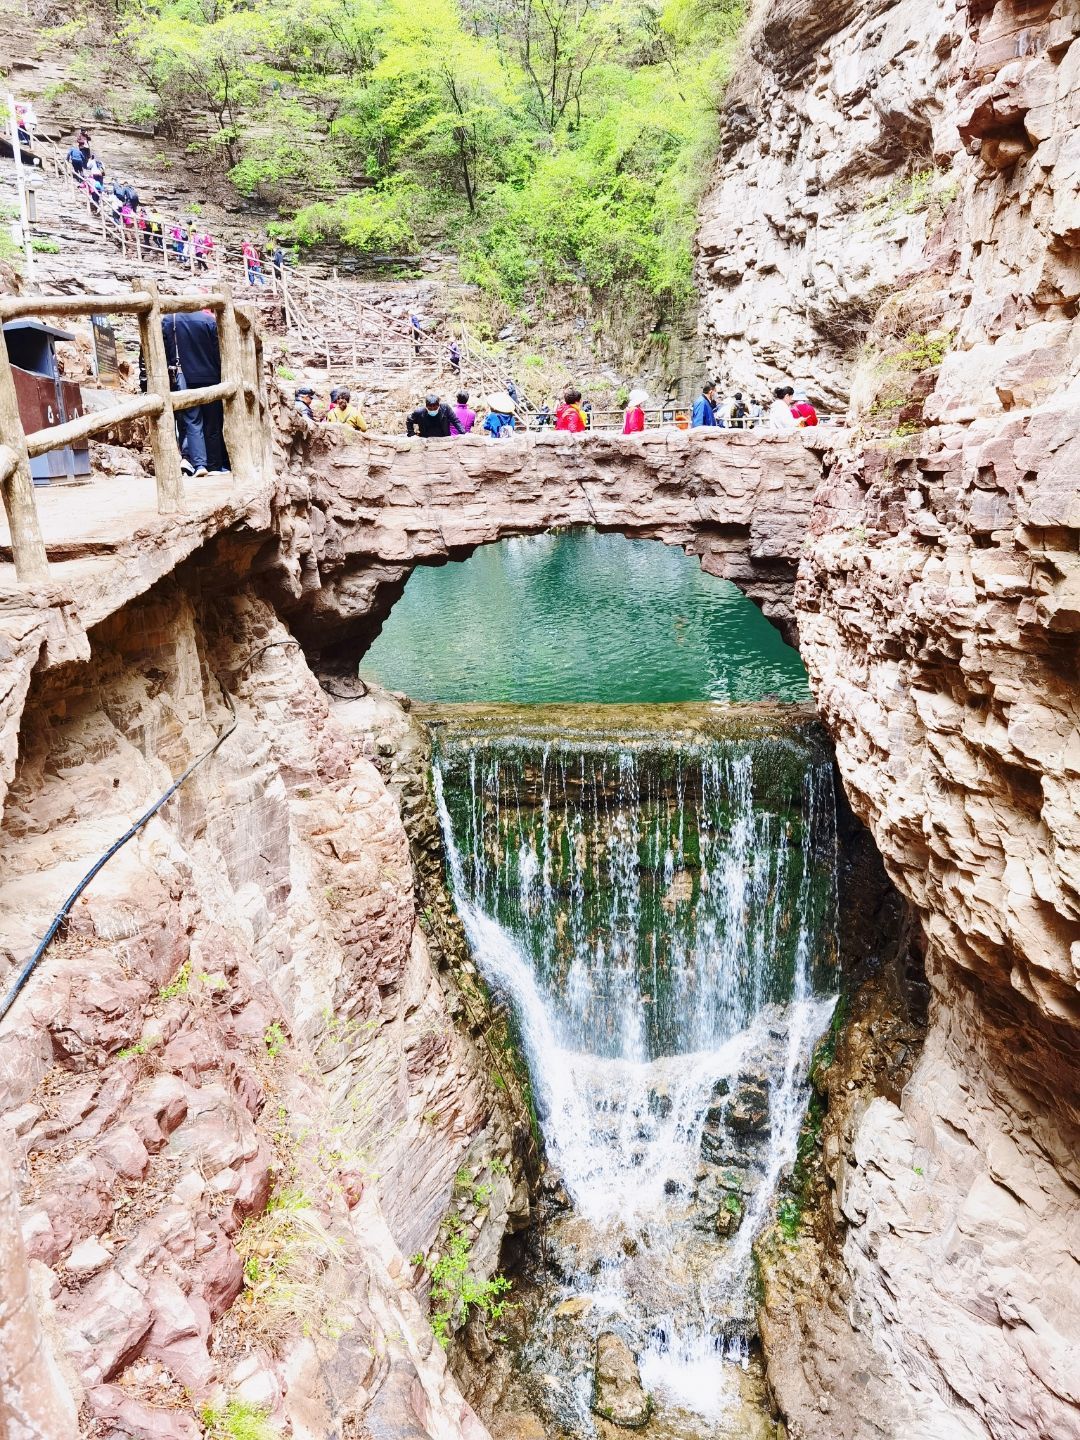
x=44, y=397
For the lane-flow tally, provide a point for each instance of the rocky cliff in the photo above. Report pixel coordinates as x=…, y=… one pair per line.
x=235, y=1096
x=938, y=610
x=838, y=145
x=244, y=1009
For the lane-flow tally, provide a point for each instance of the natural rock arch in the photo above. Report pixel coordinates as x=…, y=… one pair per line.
x=377, y=508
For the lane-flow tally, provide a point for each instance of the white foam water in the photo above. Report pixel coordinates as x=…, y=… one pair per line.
x=631, y=1038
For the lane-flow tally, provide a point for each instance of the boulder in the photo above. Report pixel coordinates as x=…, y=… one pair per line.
x=618, y=1394
x=748, y=1109
x=136, y=1420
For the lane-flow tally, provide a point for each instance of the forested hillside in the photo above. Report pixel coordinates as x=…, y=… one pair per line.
x=547, y=142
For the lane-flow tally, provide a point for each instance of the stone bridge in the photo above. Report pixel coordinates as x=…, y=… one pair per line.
x=377, y=507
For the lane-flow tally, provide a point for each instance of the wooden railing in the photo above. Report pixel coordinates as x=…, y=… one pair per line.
x=241, y=390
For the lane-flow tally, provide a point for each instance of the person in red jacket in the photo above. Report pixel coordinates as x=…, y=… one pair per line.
x=801, y=408
x=634, y=423
x=570, y=416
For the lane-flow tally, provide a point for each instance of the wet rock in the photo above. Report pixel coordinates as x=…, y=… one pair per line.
x=573, y=1309
x=659, y=1104
x=479, y=1345
x=748, y=1109
x=518, y=1427
x=519, y=1209
x=618, y=1394
x=554, y=1191
x=729, y=1216
x=679, y=892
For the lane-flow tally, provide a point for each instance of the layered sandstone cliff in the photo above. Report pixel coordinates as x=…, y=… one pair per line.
x=234, y=1095
x=838, y=146
x=938, y=612
x=150, y=1106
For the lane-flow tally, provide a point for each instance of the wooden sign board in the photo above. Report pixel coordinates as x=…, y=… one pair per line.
x=106, y=361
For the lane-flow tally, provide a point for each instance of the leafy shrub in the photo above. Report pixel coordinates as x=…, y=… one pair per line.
x=238, y=1420
x=454, y=1292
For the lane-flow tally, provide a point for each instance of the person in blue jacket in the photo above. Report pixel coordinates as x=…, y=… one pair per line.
x=501, y=420
x=704, y=414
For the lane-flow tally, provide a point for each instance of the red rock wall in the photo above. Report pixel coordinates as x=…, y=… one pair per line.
x=939, y=614
x=242, y=1005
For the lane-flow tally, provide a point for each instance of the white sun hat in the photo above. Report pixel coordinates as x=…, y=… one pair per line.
x=501, y=403
x=638, y=397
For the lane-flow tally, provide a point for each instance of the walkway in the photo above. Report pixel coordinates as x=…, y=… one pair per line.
x=327, y=322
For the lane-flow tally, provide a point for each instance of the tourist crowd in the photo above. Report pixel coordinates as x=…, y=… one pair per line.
x=503, y=412
x=191, y=245
x=501, y=415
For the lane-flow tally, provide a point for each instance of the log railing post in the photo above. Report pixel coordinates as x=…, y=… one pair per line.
x=167, y=473
x=262, y=410
x=237, y=426
x=289, y=318
x=16, y=482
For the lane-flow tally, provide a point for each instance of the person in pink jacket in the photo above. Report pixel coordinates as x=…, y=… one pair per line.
x=466, y=417
x=634, y=423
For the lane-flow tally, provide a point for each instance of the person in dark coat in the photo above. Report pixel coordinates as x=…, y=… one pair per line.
x=433, y=420
x=191, y=347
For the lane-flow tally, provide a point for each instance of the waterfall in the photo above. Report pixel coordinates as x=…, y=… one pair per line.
x=661, y=919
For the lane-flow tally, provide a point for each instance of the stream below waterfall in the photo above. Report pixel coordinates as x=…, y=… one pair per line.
x=650, y=889
x=659, y=913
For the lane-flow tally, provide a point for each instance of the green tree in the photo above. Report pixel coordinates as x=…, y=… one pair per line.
x=203, y=55
x=558, y=42
x=551, y=142
x=448, y=99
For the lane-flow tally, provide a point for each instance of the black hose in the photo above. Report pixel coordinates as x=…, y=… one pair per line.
x=65, y=909
x=239, y=670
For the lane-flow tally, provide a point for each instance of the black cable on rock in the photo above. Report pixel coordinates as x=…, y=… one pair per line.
x=65, y=909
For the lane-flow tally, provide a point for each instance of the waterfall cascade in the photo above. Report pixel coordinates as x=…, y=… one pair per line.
x=660, y=916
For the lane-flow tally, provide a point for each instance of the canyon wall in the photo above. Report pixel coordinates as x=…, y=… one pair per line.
x=813, y=219
x=938, y=610
x=234, y=1093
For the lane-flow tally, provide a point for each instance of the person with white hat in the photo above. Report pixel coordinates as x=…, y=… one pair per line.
x=501, y=419
x=635, y=412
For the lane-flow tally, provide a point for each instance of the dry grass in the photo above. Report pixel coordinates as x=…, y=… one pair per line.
x=286, y=1252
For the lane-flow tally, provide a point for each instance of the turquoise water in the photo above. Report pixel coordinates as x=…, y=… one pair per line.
x=580, y=617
